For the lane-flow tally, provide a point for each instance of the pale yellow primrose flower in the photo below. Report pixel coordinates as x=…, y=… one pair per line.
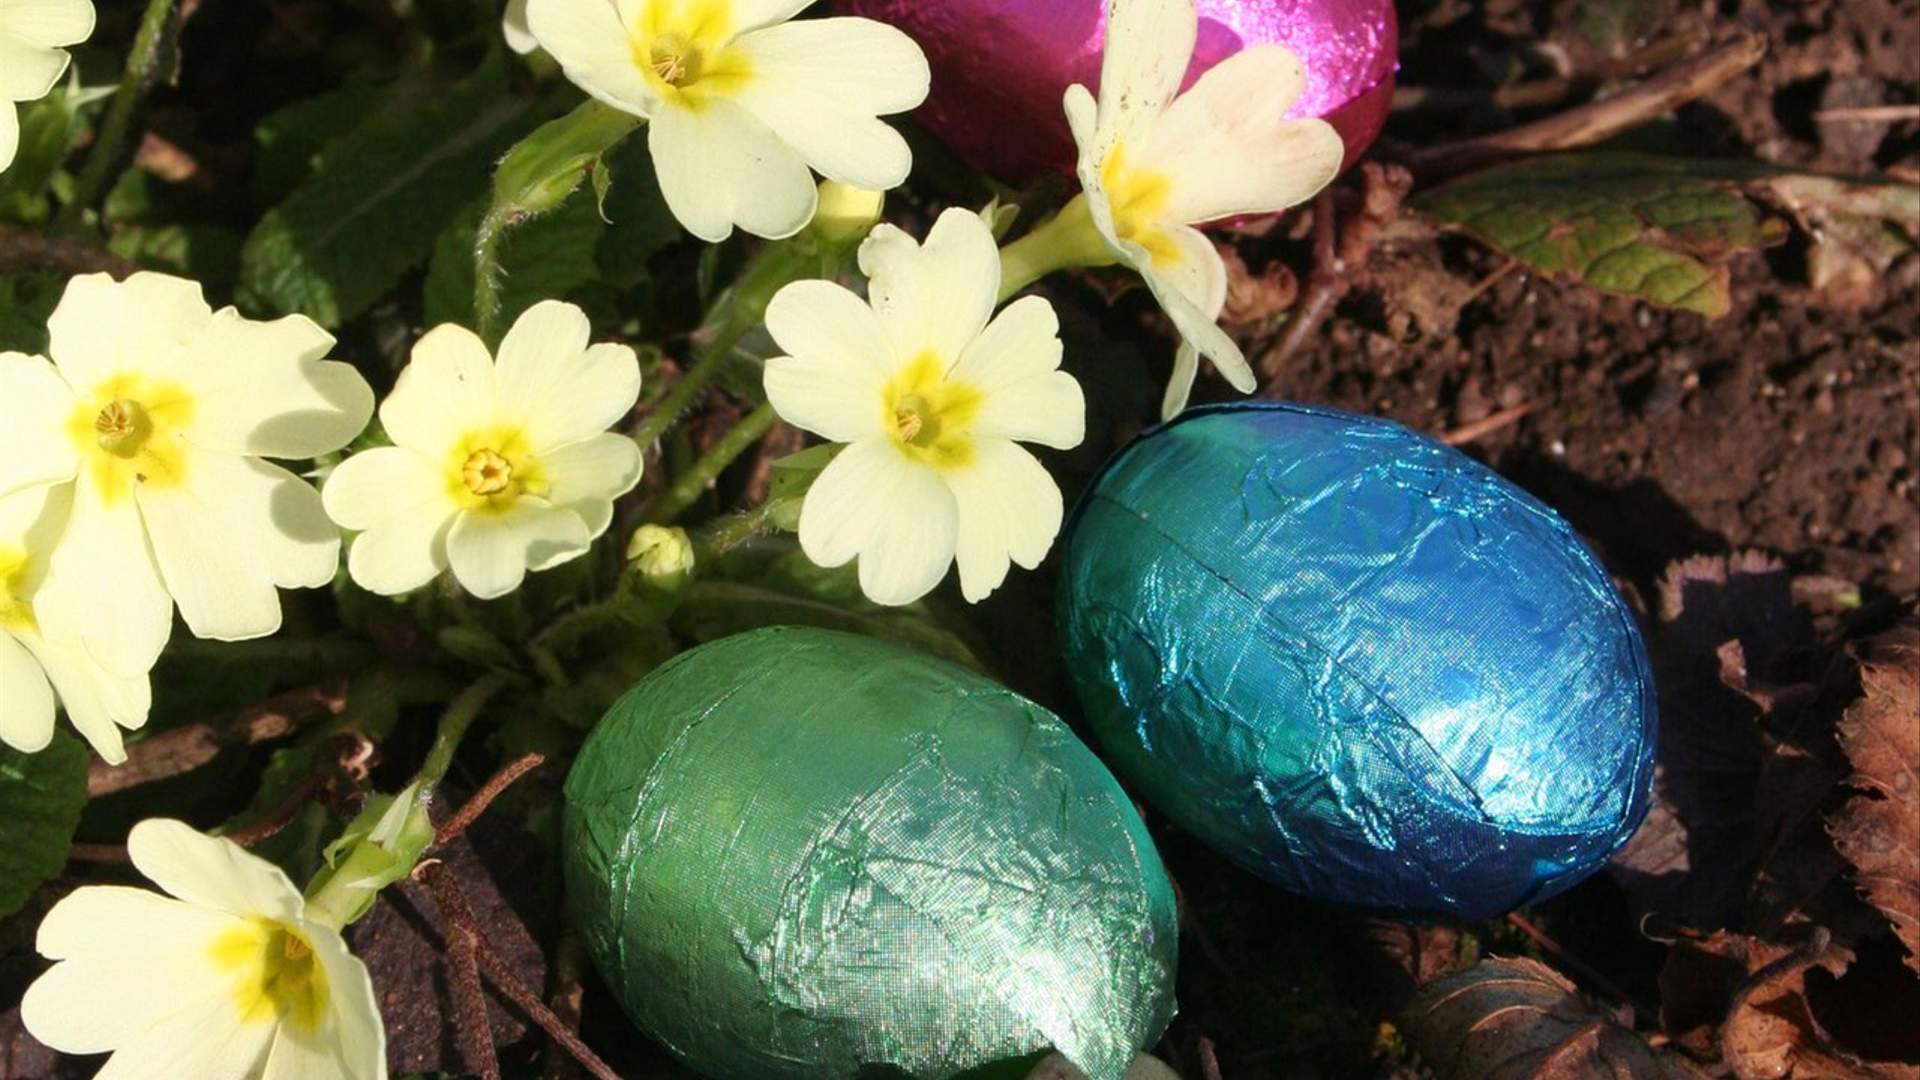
x=741, y=102
x=496, y=468
x=31, y=58
x=930, y=397
x=513, y=26
x=160, y=410
x=224, y=978
x=33, y=669
x=1153, y=165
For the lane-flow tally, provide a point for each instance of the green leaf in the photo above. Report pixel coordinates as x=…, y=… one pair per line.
x=289, y=143
x=793, y=477
x=544, y=168
x=41, y=796
x=639, y=225
x=209, y=254
x=1653, y=228
x=378, y=202
x=48, y=128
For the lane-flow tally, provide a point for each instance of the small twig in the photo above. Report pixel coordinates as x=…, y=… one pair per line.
x=1338, y=253
x=504, y=981
x=1578, y=966
x=1488, y=282
x=463, y=818
x=350, y=750
x=1539, y=92
x=462, y=936
x=1325, y=286
x=567, y=994
x=458, y=922
x=99, y=853
x=25, y=249
x=1869, y=114
x=1209, y=1061
x=1599, y=121
x=182, y=750
x=1480, y=429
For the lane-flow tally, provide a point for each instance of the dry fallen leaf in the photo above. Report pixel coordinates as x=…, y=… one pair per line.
x=1747, y=999
x=1879, y=829
x=1517, y=1019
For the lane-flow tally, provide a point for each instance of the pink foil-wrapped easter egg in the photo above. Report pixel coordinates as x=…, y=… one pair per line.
x=1000, y=67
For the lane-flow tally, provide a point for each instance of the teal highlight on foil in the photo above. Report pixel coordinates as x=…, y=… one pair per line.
x=1356, y=661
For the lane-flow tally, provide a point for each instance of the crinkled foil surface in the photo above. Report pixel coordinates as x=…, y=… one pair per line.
x=799, y=853
x=1356, y=661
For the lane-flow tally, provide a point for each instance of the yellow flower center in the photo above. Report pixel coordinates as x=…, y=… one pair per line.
x=1139, y=197
x=276, y=977
x=491, y=468
x=683, y=50
x=931, y=416
x=675, y=59
x=16, y=611
x=127, y=433
x=487, y=473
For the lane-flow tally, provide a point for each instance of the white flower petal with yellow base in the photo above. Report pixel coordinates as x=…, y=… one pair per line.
x=36, y=669
x=167, y=407
x=498, y=467
x=930, y=391
x=225, y=978
x=1154, y=164
x=743, y=105
x=33, y=37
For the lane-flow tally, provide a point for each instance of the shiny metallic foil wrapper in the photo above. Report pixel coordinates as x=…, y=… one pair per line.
x=1001, y=67
x=799, y=853
x=1357, y=662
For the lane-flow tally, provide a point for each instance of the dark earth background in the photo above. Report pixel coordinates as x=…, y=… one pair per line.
x=1779, y=441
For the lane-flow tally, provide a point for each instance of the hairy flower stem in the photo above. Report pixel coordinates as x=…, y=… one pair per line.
x=704, y=370
x=689, y=486
x=157, y=26
x=487, y=272
x=460, y=715
x=1066, y=240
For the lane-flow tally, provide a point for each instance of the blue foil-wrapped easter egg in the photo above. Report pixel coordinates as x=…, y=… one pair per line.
x=1356, y=661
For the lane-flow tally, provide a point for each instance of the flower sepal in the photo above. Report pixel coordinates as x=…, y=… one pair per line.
x=380, y=846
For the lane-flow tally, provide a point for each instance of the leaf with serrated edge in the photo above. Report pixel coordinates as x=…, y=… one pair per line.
x=1517, y=1019
x=1879, y=829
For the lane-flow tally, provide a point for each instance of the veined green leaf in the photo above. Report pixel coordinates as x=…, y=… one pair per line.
x=1633, y=224
x=378, y=201
x=41, y=796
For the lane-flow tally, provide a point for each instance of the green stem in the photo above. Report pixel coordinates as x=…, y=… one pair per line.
x=728, y=533
x=687, y=489
x=1067, y=239
x=143, y=70
x=704, y=370
x=460, y=715
x=486, y=275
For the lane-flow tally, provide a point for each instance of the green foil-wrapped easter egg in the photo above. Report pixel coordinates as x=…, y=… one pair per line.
x=799, y=853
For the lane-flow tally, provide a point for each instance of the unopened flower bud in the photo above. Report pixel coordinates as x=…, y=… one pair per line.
x=658, y=552
x=846, y=215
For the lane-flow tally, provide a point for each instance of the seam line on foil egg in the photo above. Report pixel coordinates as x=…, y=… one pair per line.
x=1333, y=659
